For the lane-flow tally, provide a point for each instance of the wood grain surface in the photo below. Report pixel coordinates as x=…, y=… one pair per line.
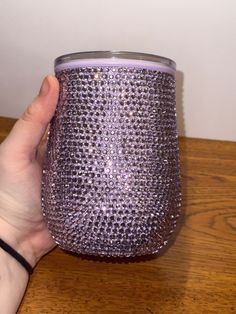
x=197, y=274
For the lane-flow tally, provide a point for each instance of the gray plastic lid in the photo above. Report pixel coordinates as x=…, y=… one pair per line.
x=115, y=55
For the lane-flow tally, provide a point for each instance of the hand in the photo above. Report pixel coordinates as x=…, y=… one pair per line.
x=21, y=158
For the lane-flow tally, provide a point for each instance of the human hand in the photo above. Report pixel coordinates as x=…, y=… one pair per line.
x=21, y=159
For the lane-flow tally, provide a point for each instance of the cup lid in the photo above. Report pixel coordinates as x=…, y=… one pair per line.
x=115, y=55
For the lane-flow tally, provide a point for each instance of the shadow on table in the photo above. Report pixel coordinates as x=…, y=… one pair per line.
x=148, y=284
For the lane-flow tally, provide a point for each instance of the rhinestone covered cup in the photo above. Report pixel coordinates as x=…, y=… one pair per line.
x=111, y=179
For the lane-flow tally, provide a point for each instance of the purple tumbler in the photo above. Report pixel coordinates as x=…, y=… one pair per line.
x=111, y=178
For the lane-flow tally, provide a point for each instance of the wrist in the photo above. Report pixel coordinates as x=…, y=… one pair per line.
x=18, y=242
x=13, y=282
x=10, y=267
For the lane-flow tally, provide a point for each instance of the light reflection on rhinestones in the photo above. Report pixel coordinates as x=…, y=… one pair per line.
x=111, y=181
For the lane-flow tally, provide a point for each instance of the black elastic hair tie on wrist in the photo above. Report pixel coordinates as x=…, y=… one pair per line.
x=17, y=256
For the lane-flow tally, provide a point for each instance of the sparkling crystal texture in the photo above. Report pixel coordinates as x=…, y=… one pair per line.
x=111, y=179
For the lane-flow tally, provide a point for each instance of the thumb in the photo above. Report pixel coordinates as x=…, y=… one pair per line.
x=27, y=132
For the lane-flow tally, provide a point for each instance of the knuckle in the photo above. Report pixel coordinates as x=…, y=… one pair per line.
x=28, y=114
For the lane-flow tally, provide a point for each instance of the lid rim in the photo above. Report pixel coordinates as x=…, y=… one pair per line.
x=114, y=54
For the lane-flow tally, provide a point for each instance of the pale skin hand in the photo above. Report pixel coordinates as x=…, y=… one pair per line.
x=21, y=221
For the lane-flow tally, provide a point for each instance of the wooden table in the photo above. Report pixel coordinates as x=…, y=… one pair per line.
x=196, y=275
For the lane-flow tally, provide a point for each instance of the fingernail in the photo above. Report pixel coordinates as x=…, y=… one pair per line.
x=44, y=88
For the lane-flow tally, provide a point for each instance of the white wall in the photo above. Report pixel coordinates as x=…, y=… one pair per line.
x=199, y=34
